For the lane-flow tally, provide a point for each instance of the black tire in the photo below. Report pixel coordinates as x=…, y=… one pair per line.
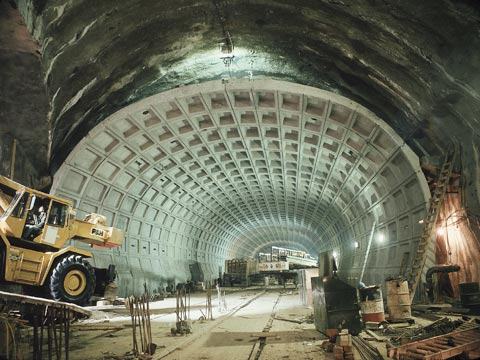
x=77, y=264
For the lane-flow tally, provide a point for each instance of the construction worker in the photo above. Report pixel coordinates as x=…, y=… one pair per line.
x=36, y=226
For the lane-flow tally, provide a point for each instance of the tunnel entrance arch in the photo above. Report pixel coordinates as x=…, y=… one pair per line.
x=208, y=171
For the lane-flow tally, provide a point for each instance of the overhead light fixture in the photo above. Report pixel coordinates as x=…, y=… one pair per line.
x=356, y=244
x=226, y=49
x=421, y=221
x=381, y=237
x=226, y=45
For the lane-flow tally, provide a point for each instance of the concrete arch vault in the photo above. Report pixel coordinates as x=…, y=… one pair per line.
x=216, y=170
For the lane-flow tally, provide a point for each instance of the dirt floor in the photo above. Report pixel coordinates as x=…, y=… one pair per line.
x=253, y=323
x=233, y=334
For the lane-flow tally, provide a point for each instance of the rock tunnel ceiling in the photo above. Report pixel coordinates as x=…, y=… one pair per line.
x=216, y=170
x=397, y=58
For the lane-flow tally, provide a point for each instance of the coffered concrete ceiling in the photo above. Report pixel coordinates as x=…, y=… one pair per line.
x=222, y=169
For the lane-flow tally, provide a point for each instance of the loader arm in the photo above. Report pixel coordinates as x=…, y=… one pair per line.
x=97, y=234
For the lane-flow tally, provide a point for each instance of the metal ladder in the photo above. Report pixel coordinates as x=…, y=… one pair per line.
x=430, y=221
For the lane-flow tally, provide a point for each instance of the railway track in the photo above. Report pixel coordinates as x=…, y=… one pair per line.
x=261, y=341
x=191, y=339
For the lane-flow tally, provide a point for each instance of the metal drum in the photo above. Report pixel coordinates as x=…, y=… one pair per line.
x=398, y=300
x=470, y=294
x=371, y=304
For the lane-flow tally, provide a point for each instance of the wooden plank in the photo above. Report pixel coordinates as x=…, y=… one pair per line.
x=474, y=354
x=454, y=351
x=440, y=344
x=415, y=355
x=428, y=348
x=377, y=338
x=96, y=327
x=25, y=299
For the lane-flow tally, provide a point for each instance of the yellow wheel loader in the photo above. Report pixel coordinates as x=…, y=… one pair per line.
x=35, y=230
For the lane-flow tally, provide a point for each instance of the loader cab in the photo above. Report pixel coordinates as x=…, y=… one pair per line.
x=13, y=208
x=54, y=228
x=36, y=218
x=20, y=211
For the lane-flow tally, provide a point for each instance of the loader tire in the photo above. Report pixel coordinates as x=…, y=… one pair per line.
x=72, y=280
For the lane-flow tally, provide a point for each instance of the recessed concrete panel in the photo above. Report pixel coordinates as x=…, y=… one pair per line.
x=212, y=171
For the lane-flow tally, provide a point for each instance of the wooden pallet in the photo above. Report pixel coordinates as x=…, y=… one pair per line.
x=439, y=347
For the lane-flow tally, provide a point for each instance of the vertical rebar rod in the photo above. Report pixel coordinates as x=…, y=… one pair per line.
x=13, y=158
x=367, y=251
x=67, y=332
x=35, y=337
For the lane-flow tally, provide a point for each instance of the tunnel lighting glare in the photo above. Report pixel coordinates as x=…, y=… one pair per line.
x=335, y=254
x=441, y=231
x=211, y=63
x=355, y=244
x=380, y=237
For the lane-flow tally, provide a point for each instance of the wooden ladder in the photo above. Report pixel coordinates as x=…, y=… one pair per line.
x=447, y=346
x=430, y=221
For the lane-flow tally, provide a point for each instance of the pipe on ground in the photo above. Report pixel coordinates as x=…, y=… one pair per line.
x=434, y=270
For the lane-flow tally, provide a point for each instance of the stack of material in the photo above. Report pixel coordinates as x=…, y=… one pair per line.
x=399, y=336
x=238, y=271
x=343, y=350
x=398, y=300
x=365, y=350
x=305, y=285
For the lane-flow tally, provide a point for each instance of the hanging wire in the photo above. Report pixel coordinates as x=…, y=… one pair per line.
x=226, y=45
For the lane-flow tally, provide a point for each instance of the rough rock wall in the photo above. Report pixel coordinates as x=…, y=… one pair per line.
x=23, y=99
x=23, y=105
x=471, y=175
x=24, y=171
x=398, y=59
x=457, y=244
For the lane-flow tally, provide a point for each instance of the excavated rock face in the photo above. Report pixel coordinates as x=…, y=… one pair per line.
x=23, y=101
x=414, y=64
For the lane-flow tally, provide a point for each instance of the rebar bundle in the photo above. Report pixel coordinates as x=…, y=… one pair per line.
x=50, y=322
x=182, y=311
x=208, y=307
x=139, y=308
